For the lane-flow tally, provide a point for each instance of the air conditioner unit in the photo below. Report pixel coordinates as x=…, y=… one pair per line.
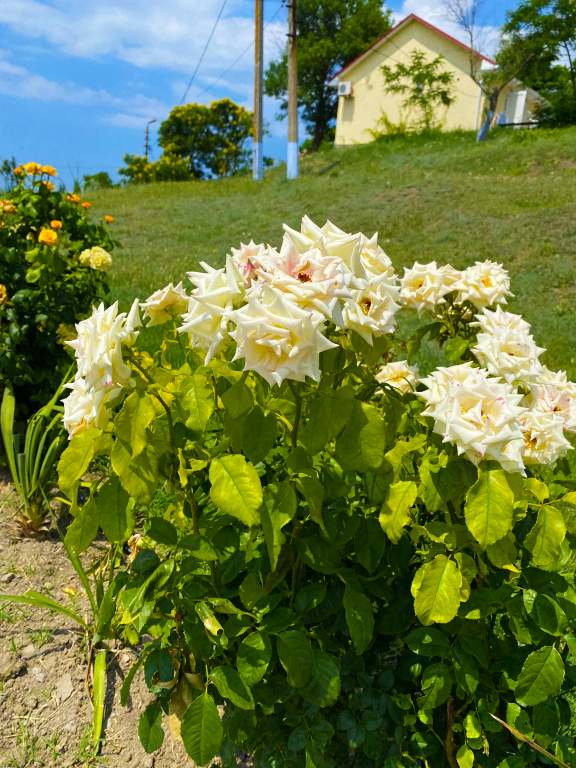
x=344, y=89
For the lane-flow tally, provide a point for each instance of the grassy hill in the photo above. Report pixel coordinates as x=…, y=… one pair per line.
x=445, y=198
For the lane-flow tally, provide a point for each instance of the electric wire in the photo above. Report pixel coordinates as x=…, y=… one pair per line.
x=204, y=51
x=244, y=52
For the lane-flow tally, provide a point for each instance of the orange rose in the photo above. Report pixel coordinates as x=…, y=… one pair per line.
x=87, y=205
x=73, y=199
x=49, y=170
x=56, y=224
x=50, y=186
x=7, y=206
x=108, y=219
x=48, y=236
x=17, y=171
x=32, y=168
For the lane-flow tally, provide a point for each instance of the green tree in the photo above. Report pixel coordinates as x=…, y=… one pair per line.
x=549, y=28
x=331, y=33
x=425, y=84
x=212, y=139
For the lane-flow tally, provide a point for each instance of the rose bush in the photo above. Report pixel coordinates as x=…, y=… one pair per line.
x=46, y=285
x=360, y=567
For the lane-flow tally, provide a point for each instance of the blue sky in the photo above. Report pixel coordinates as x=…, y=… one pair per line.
x=79, y=80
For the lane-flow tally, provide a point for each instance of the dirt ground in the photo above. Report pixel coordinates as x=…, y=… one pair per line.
x=45, y=709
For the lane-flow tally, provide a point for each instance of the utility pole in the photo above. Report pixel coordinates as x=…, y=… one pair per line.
x=257, y=157
x=292, y=168
x=146, y=139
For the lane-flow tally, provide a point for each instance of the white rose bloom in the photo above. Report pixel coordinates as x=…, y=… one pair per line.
x=165, y=304
x=249, y=258
x=98, y=348
x=510, y=353
x=314, y=280
x=544, y=441
x=399, y=375
x=277, y=338
x=206, y=320
x=550, y=399
x=425, y=285
x=480, y=416
x=484, y=284
x=492, y=321
x=372, y=308
x=557, y=379
x=86, y=407
x=442, y=379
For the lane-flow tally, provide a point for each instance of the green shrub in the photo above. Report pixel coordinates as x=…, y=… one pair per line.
x=44, y=286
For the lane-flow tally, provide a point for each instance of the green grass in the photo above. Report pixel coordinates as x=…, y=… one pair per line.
x=440, y=197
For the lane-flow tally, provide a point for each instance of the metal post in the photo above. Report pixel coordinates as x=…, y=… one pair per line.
x=292, y=170
x=257, y=157
x=146, y=141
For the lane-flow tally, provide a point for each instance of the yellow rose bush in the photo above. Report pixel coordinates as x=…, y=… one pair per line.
x=361, y=565
x=43, y=233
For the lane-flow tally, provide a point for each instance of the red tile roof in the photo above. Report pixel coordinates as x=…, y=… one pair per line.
x=401, y=23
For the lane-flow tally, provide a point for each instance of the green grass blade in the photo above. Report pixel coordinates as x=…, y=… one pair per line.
x=7, y=412
x=41, y=601
x=99, y=692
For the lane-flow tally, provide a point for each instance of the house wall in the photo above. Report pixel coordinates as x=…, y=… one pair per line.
x=361, y=113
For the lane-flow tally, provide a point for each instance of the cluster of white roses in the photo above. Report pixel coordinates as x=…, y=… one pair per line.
x=276, y=306
x=102, y=373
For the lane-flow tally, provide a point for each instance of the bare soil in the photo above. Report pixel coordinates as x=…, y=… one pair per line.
x=45, y=708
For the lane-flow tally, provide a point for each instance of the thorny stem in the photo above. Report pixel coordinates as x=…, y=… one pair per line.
x=157, y=396
x=297, y=415
x=196, y=528
x=450, y=733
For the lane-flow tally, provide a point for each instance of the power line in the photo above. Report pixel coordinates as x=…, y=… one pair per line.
x=204, y=51
x=244, y=52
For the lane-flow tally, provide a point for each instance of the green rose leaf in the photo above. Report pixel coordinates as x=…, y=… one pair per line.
x=541, y=677
x=428, y=642
x=278, y=508
x=236, y=488
x=395, y=512
x=295, y=654
x=199, y=547
x=75, y=460
x=313, y=492
x=465, y=757
x=360, y=446
x=323, y=688
x=455, y=348
x=231, y=686
x=162, y=531
x=84, y=528
x=136, y=415
x=195, y=401
x=319, y=554
x=436, y=591
x=202, y=730
x=116, y=508
x=359, y=617
x=490, y=507
x=546, y=537
x=370, y=543
x=238, y=400
x=436, y=686
x=139, y=475
x=253, y=658
x=150, y=730
x=259, y=433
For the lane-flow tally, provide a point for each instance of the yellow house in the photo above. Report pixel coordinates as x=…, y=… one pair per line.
x=362, y=100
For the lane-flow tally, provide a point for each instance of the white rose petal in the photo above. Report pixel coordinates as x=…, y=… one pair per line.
x=492, y=321
x=372, y=309
x=480, y=416
x=550, y=399
x=484, y=284
x=544, y=441
x=98, y=348
x=87, y=407
x=165, y=304
x=399, y=375
x=277, y=338
x=425, y=285
x=558, y=379
x=249, y=258
x=510, y=353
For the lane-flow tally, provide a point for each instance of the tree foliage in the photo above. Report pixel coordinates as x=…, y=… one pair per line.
x=426, y=85
x=331, y=33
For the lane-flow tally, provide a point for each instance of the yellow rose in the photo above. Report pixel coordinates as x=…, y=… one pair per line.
x=84, y=258
x=17, y=171
x=87, y=205
x=100, y=259
x=73, y=198
x=3, y=295
x=49, y=170
x=7, y=206
x=48, y=236
x=56, y=224
x=50, y=186
x=32, y=168
x=108, y=219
